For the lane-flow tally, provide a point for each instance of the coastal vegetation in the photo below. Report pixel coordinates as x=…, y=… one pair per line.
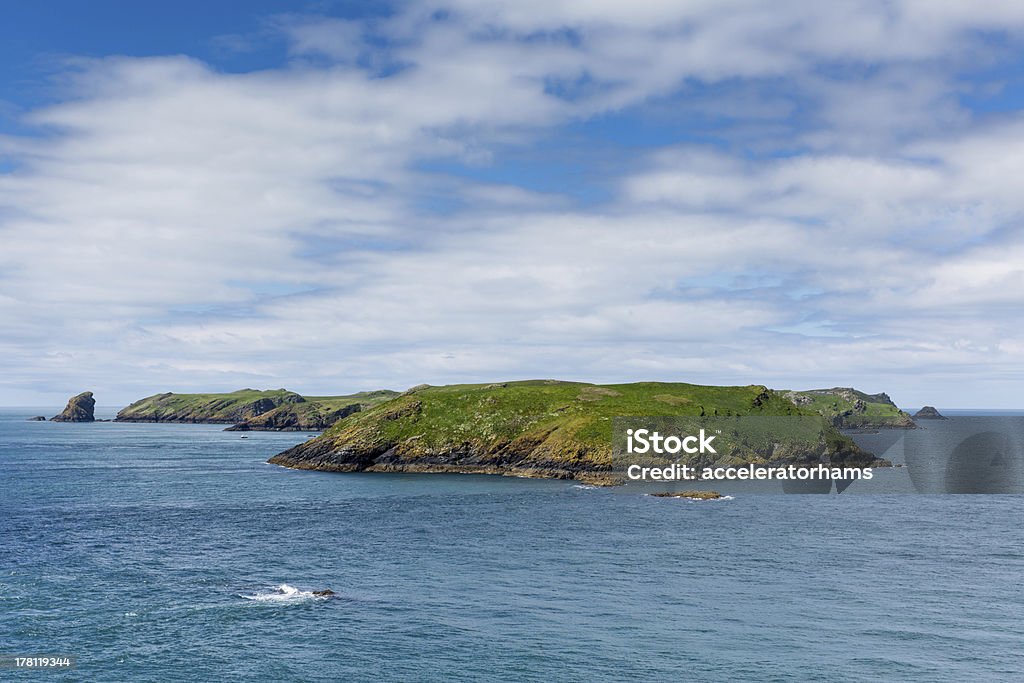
x=539, y=428
x=848, y=408
x=536, y=428
x=251, y=409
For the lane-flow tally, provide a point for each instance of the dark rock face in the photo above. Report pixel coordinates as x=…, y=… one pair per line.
x=80, y=409
x=929, y=413
x=37, y=418
x=285, y=418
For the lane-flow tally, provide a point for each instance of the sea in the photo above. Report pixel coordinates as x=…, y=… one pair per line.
x=165, y=552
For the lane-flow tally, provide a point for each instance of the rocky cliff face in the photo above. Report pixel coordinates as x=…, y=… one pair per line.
x=304, y=417
x=79, y=409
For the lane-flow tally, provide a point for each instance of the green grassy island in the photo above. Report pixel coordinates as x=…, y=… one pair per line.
x=537, y=428
x=250, y=409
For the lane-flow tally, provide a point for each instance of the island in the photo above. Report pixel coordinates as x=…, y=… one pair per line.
x=540, y=428
x=929, y=413
x=251, y=409
x=79, y=409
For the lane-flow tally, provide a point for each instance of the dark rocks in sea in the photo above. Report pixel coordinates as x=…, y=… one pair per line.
x=325, y=593
x=79, y=409
x=692, y=495
x=929, y=413
x=37, y=418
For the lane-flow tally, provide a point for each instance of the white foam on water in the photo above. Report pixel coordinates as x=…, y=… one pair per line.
x=585, y=487
x=283, y=594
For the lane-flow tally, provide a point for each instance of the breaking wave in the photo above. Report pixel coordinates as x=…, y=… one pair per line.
x=283, y=594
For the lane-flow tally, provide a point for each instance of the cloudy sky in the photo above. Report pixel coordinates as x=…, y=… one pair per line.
x=334, y=197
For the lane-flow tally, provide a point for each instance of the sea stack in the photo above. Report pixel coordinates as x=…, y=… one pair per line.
x=80, y=409
x=929, y=413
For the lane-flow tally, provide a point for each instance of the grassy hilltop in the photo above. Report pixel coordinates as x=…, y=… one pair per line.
x=275, y=409
x=851, y=409
x=534, y=428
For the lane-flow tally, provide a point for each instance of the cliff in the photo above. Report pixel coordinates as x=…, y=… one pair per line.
x=313, y=414
x=539, y=428
x=848, y=408
x=250, y=409
x=79, y=409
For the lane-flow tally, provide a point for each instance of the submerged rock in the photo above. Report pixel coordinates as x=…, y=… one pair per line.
x=325, y=593
x=929, y=413
x=692, y=495
x=37, y=418
x=79, y=409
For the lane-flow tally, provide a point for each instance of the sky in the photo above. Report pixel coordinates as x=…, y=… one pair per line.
x=341, y=196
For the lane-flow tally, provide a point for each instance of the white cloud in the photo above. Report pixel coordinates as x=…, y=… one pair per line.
x=178, y=227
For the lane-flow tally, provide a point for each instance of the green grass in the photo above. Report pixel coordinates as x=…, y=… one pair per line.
x=849, y=408
x=243, y=405
x=581, y=412
x=551, y=426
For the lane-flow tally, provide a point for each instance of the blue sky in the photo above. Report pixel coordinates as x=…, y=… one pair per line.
x=343, y=196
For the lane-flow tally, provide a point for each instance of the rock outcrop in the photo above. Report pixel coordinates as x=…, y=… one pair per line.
x=929, y=413
x=300, y=417
x=692, y=495
x=37, y=418
x=79, y=409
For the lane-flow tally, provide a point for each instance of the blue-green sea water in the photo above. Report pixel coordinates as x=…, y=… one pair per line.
x=174, y=553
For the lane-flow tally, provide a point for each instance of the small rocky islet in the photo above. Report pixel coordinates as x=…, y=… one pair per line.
x=80, y=408
x=691, y=495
